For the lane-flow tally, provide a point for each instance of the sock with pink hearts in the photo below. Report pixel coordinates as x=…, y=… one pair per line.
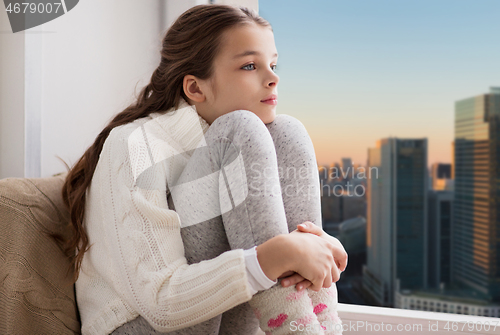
x=325, y=307
x=284, y=310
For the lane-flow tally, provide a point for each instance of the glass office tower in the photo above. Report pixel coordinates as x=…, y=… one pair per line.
x=439, y=237
x=476, y=229
x=396, y=233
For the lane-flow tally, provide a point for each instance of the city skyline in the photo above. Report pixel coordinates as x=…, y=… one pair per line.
x=420, y=236
x=356, y=72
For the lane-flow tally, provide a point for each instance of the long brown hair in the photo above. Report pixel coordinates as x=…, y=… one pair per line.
x=189, y=47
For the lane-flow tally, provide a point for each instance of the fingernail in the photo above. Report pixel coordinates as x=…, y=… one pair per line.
x=299, y=287
x=286, y=282
x=303, y=225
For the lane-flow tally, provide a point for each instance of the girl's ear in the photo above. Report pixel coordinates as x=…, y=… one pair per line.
x=192, y=88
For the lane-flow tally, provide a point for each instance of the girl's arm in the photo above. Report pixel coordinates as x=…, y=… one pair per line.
x=137, y=250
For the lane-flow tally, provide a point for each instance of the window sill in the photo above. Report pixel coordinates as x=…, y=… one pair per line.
x=358, y=319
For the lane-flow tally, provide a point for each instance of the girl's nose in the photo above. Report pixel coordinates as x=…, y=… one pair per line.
x=273, y=80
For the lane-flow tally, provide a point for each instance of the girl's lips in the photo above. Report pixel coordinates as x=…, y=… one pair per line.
x=271, y=101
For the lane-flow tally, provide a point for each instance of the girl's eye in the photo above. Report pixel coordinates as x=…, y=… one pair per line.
x=249, y=65
x=253, y=65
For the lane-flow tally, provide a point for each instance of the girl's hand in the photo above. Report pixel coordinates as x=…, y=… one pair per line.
x=290, y=278
x=313, y=258
x=312, y=255
x=309, y=227
x=309, y=255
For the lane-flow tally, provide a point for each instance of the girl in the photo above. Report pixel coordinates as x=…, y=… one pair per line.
x=186, y=206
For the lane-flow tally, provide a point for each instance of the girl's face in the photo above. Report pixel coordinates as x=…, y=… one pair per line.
x=243, y=76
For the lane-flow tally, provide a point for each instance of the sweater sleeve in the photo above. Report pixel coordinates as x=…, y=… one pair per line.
x=257, y=279
x=150, y=271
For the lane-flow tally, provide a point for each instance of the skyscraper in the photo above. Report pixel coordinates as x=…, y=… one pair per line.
x=439, y=237
x=396, y=218
x=476, y=233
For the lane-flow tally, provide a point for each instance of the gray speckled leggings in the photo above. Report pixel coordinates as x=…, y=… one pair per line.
x=260, y=180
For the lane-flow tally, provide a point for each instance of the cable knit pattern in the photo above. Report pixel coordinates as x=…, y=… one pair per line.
x=136, y=264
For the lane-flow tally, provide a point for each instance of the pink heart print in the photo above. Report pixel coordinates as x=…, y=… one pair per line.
x=319, y=308
x=274, y=323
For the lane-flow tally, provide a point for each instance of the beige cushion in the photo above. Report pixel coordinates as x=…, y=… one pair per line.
x=36, y=295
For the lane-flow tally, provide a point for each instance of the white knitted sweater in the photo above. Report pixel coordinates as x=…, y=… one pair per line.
x=136, y=264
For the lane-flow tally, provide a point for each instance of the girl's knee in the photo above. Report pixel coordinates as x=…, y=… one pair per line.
x=243, y=120
x=240, y=114
x=287, y=124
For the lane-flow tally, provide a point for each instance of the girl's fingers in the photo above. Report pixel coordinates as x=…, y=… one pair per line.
x=300, y=282
x=329, y=279
x=303, y=285
x=340, y=257
x=336, y=274
x=309, y=227
x=291, y=280
x=316, y=287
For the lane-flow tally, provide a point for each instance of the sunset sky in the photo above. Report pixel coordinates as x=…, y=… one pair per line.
x=357, y=71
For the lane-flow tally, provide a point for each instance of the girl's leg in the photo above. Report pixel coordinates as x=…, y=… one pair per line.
x=299, y=179
x=299, y=185
x=298, y=171
x=248, y=195
x=240, y=152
